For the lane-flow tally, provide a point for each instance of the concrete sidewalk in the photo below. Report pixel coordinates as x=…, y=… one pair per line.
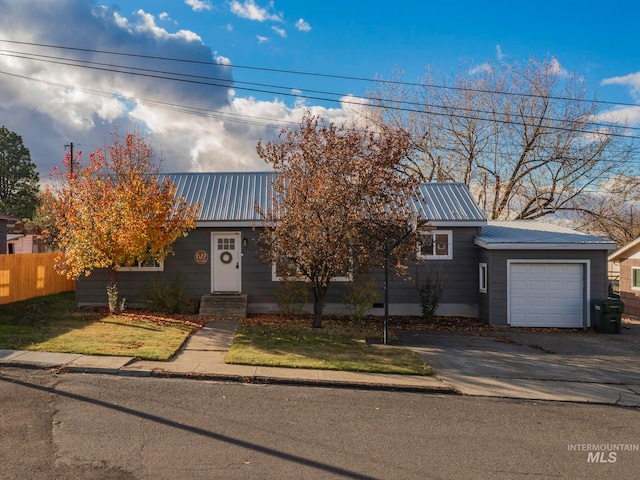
x=202, y=357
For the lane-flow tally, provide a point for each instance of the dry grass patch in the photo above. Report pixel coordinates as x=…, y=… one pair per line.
x=342, y=344
x=53, y=324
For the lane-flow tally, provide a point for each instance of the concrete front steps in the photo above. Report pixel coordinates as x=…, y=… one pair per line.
x=224, y=305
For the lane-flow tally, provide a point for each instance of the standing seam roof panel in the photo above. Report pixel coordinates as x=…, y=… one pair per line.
x=233, y=196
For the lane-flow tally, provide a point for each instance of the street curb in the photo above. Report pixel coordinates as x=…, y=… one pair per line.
x=247, y=379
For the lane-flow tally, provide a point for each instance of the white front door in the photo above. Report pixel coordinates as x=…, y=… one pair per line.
x=226, y=262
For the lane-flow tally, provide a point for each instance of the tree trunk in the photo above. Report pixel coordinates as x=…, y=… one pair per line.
x=113, y=296
x=319, y=294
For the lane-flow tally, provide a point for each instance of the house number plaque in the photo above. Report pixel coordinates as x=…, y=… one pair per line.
x=201, y=257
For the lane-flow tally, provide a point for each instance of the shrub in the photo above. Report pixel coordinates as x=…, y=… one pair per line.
x=291, y=296
x=170, y=297
x=361, y=295
x=430, y=294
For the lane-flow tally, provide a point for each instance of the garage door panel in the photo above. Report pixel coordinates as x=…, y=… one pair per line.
x=557, y=302
x=536, y=302
x=534, y=269
x=518, y=268
x=546, y=294
x=539, y=285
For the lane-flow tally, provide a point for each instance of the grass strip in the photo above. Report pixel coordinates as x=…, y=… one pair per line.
x=331, y=348
x=53, y=324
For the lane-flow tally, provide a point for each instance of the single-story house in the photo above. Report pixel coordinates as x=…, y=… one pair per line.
x=627, y=260
x=507, y=273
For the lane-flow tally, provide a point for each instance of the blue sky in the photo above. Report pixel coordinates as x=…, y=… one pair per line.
x=368, y=38
x=51, y=105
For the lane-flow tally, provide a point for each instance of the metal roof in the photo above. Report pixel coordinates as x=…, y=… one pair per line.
x=225, y=197
x=448, y=202
x=532, y=234
x=232, y=197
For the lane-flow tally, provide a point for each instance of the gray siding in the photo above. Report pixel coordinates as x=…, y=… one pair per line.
x=459, y=274
x=493, y=304
x=485, y=300
x=460, y=286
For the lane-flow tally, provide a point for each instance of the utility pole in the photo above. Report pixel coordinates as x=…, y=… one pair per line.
x=70, y=147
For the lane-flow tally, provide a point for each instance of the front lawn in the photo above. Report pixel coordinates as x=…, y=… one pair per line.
x=53, y=324
x=341, y=344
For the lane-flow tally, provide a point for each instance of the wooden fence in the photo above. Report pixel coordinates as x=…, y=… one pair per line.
x=30, y=275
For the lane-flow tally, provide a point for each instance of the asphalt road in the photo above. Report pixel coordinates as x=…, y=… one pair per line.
x=78, y=426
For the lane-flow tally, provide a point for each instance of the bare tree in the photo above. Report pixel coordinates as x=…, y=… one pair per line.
x=613, y=210
x=338, y=192
x=522, y=136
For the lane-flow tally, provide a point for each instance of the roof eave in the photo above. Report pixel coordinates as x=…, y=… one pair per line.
x=542, y=246
x=624, y=250
x=229, y=223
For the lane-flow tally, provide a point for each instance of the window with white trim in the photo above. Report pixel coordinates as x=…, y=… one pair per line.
x=287, y=270
x=635, y=278
x=150, y=265
x=483, y=277
x=435, y=245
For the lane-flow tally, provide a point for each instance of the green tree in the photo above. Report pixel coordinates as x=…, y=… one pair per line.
x=340, y=192
x=19, y=180
x=114, y=212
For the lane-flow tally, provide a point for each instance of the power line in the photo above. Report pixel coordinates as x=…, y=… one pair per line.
x=446, y=113
x=311, y=74
x=190, y=110
x=227, y=116
x=199, y=79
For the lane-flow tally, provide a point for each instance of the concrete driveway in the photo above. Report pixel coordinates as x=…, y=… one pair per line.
x=561, y=366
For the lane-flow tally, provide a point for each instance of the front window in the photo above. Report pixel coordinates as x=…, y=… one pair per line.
x=286, y=269
x=150, y=265
x=435, y=245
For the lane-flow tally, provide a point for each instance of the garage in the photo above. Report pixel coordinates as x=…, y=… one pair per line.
x=546, y=294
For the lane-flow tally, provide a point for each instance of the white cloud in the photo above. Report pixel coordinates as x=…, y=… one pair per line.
x=499, y=54
x=248, y=9
x=144, y=23
x=631, y=80
x=199, y=5
x=302, y=25
x=280, y=31
x=556, y=69
x=262, y=39
x=629, y=115
x=51, y=105
x=483, y=67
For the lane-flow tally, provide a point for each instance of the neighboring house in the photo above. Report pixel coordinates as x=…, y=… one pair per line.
x=627, y=260
x=21, y=239
x=4, y=220
x=507, y=273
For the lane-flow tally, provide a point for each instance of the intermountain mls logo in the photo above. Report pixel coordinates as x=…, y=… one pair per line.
x=603, y=452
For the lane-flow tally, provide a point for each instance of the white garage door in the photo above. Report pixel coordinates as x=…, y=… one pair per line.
x=546, y=295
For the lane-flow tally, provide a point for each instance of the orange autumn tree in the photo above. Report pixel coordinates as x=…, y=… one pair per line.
x=114, y=211
x=340, y=191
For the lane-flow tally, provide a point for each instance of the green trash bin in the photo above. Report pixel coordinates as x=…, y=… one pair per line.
x=608, y=315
